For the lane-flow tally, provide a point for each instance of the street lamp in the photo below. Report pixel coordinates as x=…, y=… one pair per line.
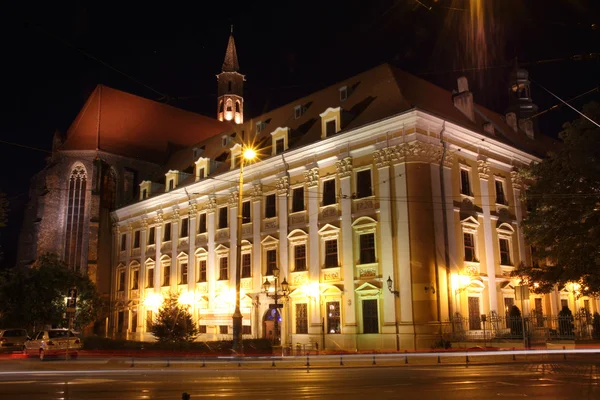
x=276, y=295
x=247, y=154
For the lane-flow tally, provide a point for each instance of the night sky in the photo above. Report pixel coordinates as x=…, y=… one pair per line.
x=54, y=54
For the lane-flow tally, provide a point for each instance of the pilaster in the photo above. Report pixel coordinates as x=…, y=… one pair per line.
x=256, y=249
x=344, y=168
x=174, y=250
x=192, y=216
x=211, y=274
x=490, y=259
x=311, y=177
x=283, y=188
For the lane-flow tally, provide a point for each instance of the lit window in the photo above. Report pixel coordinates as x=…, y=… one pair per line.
x=301, y=318
x=333, y=317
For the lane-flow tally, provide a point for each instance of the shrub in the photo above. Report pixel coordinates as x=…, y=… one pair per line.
x=515, y=321
x=565, y=322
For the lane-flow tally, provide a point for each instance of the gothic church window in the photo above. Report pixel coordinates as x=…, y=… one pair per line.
x=75, y=217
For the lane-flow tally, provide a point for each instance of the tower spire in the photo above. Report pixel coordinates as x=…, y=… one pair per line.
x=230, y=64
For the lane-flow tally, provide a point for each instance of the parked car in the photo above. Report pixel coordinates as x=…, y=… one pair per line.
x=53, y=343
x=12, y=339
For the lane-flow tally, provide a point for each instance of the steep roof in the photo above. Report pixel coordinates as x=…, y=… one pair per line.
x=132, y=126
x=230, y=64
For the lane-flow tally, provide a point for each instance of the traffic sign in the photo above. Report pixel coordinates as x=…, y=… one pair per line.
x=72, y=299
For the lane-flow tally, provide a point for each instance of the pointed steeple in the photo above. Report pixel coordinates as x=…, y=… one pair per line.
x=231, y=61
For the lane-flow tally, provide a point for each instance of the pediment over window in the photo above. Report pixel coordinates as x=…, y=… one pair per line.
x=269, y=241
x=505, y=229
x=149, y=260
x=165, y=258
x=364, y=224
x=182, y=255
x=470, y=222
x=201, y=251
x=367, y=289
x=297, y=234
x=329, y=229
x=332, y=290
x=279, y=140
x=221, y=248
x=134, y=264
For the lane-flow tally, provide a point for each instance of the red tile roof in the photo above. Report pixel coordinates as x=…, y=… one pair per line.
x=132, y=126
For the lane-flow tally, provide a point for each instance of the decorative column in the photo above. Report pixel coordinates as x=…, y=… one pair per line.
x=516, y=186
x=174, y=249
x=192, y=216
x=311, y=177
x=127, y=291
x=211, y=275
x=282, y=186
x=112, y=328
x=344, y=170
x=386, y=257
x=490, y=259
x=158, y=267
x=450, y=226
x=142, y=276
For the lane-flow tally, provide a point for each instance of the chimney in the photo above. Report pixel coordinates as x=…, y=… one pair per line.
x=511, y=120
x=463, y=100
x=527, y=126
x=489, y=129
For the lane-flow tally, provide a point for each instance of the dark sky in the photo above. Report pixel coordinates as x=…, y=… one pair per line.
x=53, y=55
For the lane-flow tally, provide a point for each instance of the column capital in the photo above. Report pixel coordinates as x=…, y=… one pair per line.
x=233, y=198
x=483, y=167
x=282, y=185
x=175, y=216
x=516, y=179
x=344, y=167
x=257, y=191
x=383, y=157
x=116, y=228
x=211, y=205
x=144, y=222
x=192, y=209
x=159, y=217
x=311, y=177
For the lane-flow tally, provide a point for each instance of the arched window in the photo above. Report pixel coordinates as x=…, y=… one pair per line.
x=221, y=106
x=229, y=105
x=237, y=106
x=75, y=217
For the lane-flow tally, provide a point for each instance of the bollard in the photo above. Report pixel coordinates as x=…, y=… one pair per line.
x=439, y=361
x=374, y=363
x=239, y=363
x=514, y=355
x=564, y=354
x=272, y=362
x=168, y=362
x=467, y=359
x=341, y=361
x=405, y=357
x=307, y=361
x=132, y=363
x=203, y=362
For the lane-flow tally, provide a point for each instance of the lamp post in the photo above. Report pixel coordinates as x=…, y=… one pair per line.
x=246, y=154
x=276, y=295
x=396, y=293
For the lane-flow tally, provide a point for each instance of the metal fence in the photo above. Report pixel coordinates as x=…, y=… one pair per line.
x=535, y=327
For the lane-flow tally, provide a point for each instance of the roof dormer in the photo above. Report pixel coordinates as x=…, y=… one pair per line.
x=172, y=180
x=330, y=122
x=280, y=140
x=202, y=168
x=145, y=189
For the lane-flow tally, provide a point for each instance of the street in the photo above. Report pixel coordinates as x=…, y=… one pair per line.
x=30, y=379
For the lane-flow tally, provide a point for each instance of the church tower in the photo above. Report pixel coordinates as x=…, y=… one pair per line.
x=521, y=107
x=230, y=102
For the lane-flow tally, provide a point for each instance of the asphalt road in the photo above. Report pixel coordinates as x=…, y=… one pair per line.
x=29, y=379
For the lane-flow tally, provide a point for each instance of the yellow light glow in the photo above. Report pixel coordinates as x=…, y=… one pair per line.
x=536, y=285
x=153, y=301
x=186, y=298
x=249, y=153
x=312, y=290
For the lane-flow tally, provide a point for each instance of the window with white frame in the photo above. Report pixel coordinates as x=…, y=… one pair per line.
x=271, y=261
x=364, y=186
x=331, y=253
x=505, y=232
x=370, y=316
x=298, y=111
x=167, y=232
x=469, y=246
x=300, y=257
x=183, y=271
x=298, y=199
x=135, y=279
x=270, y=206
x=184, y=228
x=301, y=318
x=465, y=181
x=329, y=194
x=136, y=239
x=367, y=248
x=223, y=268
x=166, y=272
x=149, y=275
x=246, y=265
x=151, y=235
x=223, y=211
x=202, y=223
x=202, y=270
x=121, y=279
x=333, y=317
x=500, y=197
x=504, y=251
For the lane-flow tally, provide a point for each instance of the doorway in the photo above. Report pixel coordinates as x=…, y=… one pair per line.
x=272, y=325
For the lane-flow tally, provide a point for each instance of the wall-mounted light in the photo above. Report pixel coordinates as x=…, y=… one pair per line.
x=430, y=287
x=390, y=283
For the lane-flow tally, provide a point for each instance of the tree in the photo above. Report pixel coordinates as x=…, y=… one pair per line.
x=32, y=298
x=174, y=323
x=563, y=223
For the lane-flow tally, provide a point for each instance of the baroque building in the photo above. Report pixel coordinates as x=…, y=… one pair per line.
x=389, y=205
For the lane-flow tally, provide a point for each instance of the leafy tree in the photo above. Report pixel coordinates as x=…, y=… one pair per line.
x=35, y=297
x=174, y=323
x=563, y=225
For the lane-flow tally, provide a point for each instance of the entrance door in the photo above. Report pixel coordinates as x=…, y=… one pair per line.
x=474, y=316
x=272, y=325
